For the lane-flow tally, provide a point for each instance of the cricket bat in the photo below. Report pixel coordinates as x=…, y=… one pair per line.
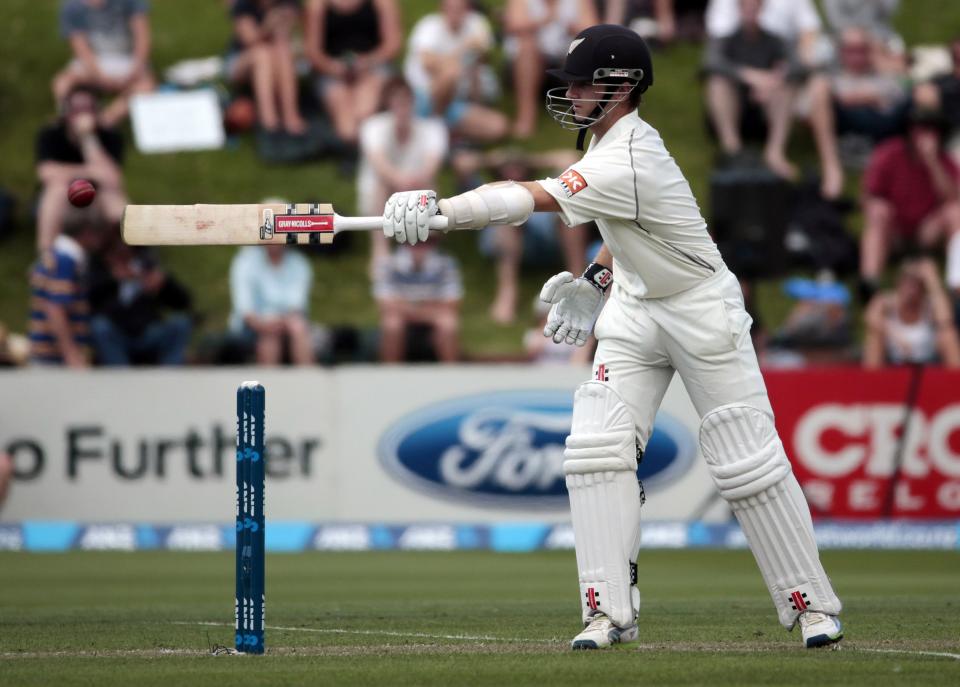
x=238, y=225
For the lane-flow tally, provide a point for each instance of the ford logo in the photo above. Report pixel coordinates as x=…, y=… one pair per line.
x=505, y=449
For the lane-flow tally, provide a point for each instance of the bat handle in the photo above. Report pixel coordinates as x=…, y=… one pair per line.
x=437, y=223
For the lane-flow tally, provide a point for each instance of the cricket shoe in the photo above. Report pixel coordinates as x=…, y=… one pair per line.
x=820, y=629
x=600, y=633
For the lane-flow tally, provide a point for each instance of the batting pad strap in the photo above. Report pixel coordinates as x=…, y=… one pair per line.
x=598, y=464
x=616, y=450
x=750, y=476
x=502, y=202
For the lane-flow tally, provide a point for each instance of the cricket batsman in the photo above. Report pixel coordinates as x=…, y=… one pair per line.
x=673, y=306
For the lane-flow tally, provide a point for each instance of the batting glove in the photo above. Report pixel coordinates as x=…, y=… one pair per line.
x=406, y=216
x=576, y=305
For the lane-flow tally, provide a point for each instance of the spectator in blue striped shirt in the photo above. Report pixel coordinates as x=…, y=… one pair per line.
x=418, y=289
x=59, y=308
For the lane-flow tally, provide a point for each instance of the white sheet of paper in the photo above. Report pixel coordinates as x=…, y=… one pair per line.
x=170, y=122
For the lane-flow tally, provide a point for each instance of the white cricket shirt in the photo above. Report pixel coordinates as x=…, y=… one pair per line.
x=633, y=189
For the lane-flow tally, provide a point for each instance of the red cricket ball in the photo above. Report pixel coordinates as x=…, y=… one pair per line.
x=81, y=193
x=240, y=115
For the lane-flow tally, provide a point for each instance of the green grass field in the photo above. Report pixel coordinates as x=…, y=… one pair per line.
x=462, y=619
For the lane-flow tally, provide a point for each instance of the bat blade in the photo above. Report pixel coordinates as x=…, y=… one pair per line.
x=228, y=225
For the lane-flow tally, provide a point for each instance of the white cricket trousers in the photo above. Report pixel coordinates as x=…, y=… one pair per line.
x=703, y=333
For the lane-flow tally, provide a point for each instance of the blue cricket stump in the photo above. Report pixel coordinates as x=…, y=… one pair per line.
x=249, y=608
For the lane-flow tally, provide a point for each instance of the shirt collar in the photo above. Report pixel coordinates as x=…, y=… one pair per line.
x=625, y=123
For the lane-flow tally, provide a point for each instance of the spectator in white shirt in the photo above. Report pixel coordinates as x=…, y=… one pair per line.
x=399, y=151
x=444, y=66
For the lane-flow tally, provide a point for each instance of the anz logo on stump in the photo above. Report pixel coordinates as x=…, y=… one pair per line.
x=505, y=449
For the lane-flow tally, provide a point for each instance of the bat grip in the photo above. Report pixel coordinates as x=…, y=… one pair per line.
x=437, y=223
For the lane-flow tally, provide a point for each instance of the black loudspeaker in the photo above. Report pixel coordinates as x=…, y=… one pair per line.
x=751, y=210
x=8, y=205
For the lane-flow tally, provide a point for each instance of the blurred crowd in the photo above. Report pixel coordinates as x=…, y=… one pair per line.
x=340, y=79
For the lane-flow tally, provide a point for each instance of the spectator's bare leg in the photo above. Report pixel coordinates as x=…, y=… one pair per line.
x=117, y=111
x=443, y=88
x=64, y=81
x=503, y=310
x=367, y=93
x=269, y=347
x=392, y=331
x=256, y=64
x=823, y=126
x=947, y=344
x=942, y=224
x=573, y=243
x=723, y=106
x=875, y=239
x=112, y=202
x=6, y=475
x=527, y=79
x=952, y=276
x=301, y=343
x=446, y=332
x=338, y=99
x=874, y=333
x=779, y=111
x=483, y=124
x=51, y=210
x=285, y=71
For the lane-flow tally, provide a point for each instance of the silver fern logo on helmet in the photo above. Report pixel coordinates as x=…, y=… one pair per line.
x=561, y=107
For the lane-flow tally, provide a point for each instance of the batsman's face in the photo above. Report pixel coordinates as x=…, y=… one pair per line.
x=584, y=96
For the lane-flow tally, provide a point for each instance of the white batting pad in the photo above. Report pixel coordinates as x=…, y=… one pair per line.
x=605, y=500
x=751, y=470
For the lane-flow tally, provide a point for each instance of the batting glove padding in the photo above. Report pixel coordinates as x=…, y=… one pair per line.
x=406, y=216
x=576, y=305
